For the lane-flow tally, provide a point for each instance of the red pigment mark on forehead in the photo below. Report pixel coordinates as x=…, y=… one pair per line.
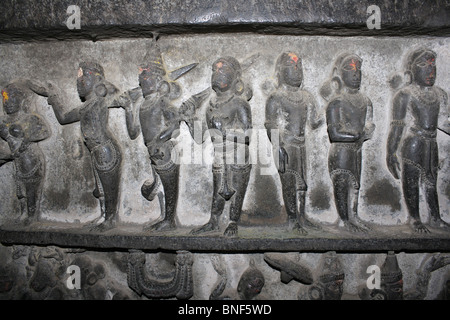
x=293, y=57
x=142, y=69
x=353, y=64
x=5, y=95
x=219, y=64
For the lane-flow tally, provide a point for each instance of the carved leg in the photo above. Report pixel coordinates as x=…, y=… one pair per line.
x=33, y=191
x=169, y=180
x=303, y=220
x=353, y=216
x=433, y=207
x=410, y=184
x=289, y=189
x=217, y=206
x=240, y=178
x=21, y=195
x=109, y=182
x=343, y=186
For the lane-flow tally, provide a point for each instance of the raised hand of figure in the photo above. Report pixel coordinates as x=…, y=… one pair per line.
x=53, y=93
x=393, y=165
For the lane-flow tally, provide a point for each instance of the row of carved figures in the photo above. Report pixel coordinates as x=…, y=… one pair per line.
x=412, y=152
x=173, y=275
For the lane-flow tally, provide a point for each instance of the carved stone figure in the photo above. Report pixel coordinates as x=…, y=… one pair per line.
x=179, y=286
x=289, y=269
x=249, y=286
x=22, y=130
x=349, y=121
x=288, y=110
x=229, y=121
x=159, y=122
x=414, y=146
x=330, y=283
x=98, y=95
x=430, y=263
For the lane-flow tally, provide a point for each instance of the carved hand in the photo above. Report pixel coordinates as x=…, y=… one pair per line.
x=368, y=131
x=52, y=94
x=283, y=160
x=393, y=165
x=4, y=131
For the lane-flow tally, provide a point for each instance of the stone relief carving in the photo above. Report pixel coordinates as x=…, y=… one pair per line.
x=179, y=285
x=288, y=110
x=289, y=269
x=228, y=119
x=412, y=150
x=329, y=283
x=349, y=121
x=22, y=130
x=159, y=122
x=97, y=95
x=249, y=286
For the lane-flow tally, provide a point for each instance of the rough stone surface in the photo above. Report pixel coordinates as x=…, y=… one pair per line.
x=33, y=261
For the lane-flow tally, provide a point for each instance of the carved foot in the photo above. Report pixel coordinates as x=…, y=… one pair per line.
x=210, y=226
x=297, y=228
x=309, y=224
x=439, y=223
x=29, y=220
x=356, y=227
x=231, y=230
x=419, y=227
x=102, y=227
x=163, y=225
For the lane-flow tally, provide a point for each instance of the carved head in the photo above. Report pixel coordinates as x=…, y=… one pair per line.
x=392, y=278
x=152, y=73
x=89, y=74
x=350, y=71
x=330, y=284
x=421, y=67
x=289, y=69
x=251, y=283
x=13, y=98
x=226, y=74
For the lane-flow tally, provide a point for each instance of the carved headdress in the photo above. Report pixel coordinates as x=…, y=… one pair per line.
x=390, y=271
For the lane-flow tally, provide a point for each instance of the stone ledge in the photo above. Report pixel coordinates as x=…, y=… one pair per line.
x=251, y=239
x=33, y=20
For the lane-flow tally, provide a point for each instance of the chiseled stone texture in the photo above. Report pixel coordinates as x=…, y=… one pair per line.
x=69, y=181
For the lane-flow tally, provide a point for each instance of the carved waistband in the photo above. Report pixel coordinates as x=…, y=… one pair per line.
x=423, y=133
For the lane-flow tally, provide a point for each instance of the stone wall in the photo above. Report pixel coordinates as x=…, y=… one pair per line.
x=36, y=43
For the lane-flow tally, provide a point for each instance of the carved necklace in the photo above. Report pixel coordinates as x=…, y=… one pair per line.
x=215, y=104
x=356, y=100
x=427, y=98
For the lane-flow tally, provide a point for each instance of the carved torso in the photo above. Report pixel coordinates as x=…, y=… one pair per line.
x=289, y=112
x=94, y=122
x=347, y=114
x=424, y=106
x=155, y=116
x=230, y=115
x=29, y=128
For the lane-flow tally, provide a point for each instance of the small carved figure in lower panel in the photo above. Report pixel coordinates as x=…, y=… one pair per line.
x=179, y=286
